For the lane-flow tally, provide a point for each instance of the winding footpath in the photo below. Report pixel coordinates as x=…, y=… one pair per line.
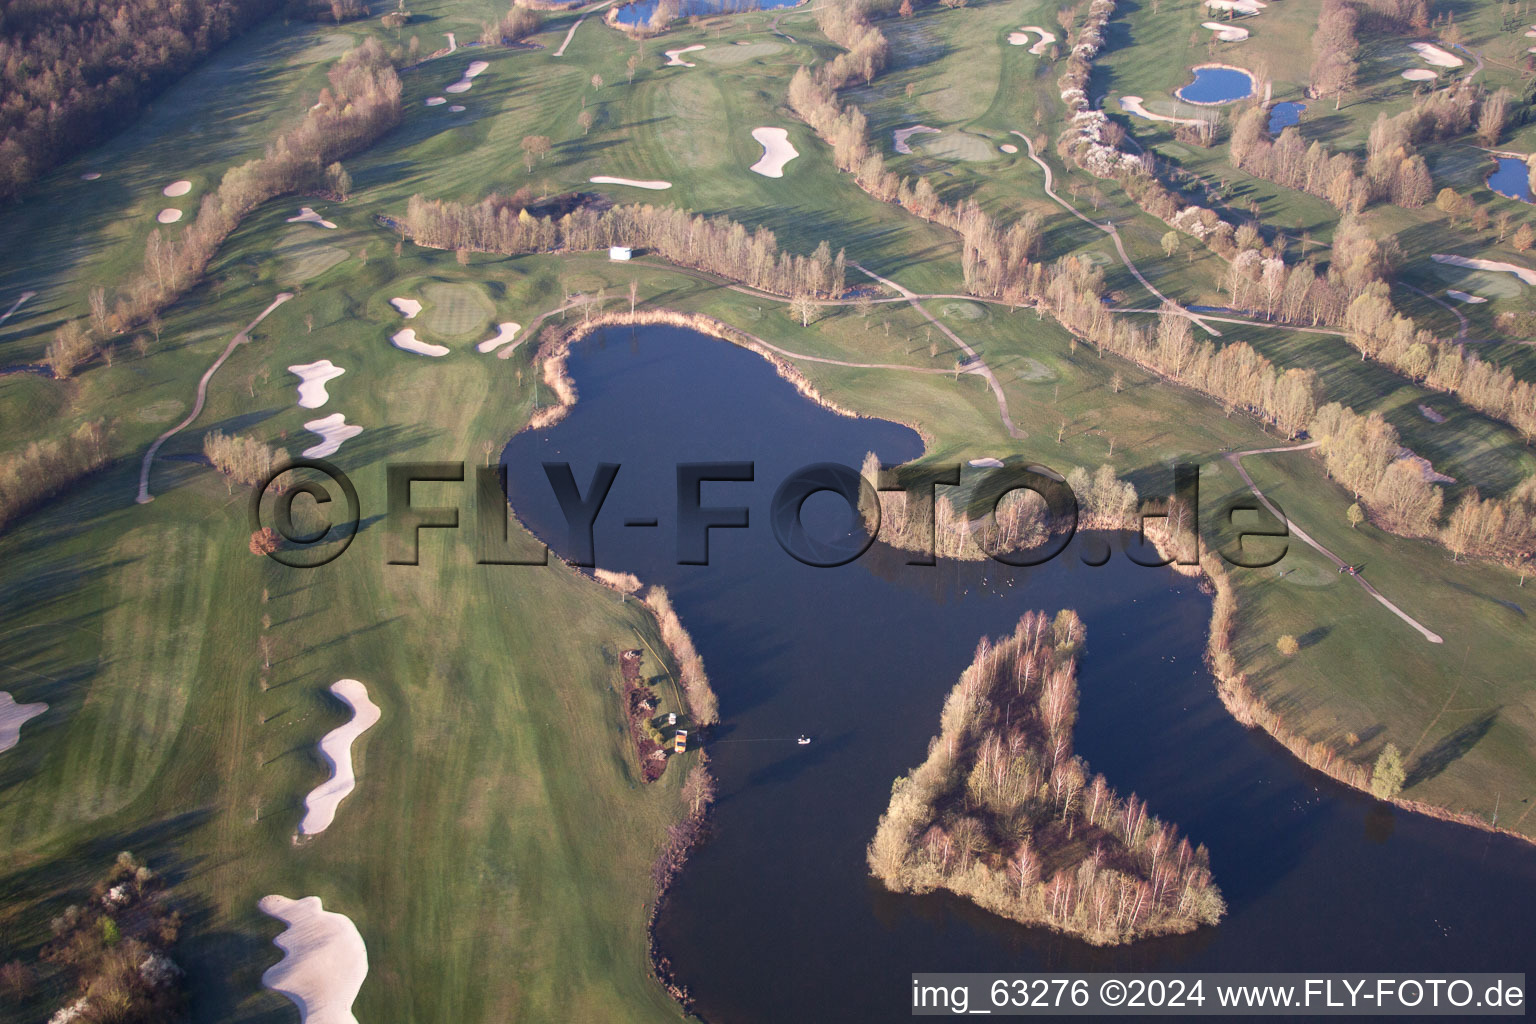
x=585, y=15
x=23, y=297
x=1236, y=459
x=1109, y=229
x=975, y=364
x=202, y=396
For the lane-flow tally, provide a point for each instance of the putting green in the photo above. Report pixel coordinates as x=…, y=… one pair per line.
x=327, y=47
x=962, y=311
x=163, y=411
x=738, y=54
x=1490, y=284
x=955, y=146
x=455, y=311
x=1033, y=371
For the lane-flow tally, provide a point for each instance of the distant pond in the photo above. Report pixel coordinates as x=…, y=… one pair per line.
x=1512, y=179
x=1215, y=84
x=640, y=12
x=1283, y=115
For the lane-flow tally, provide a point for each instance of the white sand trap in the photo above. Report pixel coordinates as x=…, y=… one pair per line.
x=1432, y=54
x=177, y=188
x=1133, y=104
x=457, y=108
x=435, y=101
x=13, y=716
x=1419, y=75
x=988, y=463
x=504, y=333
x=309, y=216
x=325, y=959
x=1430, y=414
x=1466, y=297
x=336, y=748
x=675, y=57
x=777, y=151
x=1008, y=147
x=312, y=378
x=1240, y=6
x=1530, y=33
x=408, y=307
x=169, y=215
x=603, y=179
x=1226, y=33
x=1021, y=37
x=408, y=341
x=901, y=135
x=90, y=176
x=1525, y=274
x=333, y=430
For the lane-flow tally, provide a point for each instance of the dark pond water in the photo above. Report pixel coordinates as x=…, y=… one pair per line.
x=1512, y=179
x=1217, y=85
x=640, y=12
x=775, y=918
x=1283, y=115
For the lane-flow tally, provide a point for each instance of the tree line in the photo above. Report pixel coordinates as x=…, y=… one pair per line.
x=1004, y=813
x=44, y=468
x=503, y=224
x=74, y=71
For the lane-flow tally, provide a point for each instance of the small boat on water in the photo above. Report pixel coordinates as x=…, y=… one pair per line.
x=804, y=741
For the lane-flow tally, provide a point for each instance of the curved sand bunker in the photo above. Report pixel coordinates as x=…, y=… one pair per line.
x=901, y=135
x=470, y=74
x=309, y=216
x=1432, y=54
x=333, y=430
x=408, y=307
x=169, y=215
x=1466, y=297
x=1523, y=273
x=675, y=57
x=987, y=463
x=435, y=101
x=504, y=333
x=1008, y=147
x=408, y=341
x=91, y=176
x=312, y=378
x=1133, y=105
x=777, y=151
x=177, y=188
x=13, y=716
x=1021, y=37
x=336, y=747
x=325, y=959
x=1419, y=75
x=457, y=108
x=604, y=179
x=1226, y=33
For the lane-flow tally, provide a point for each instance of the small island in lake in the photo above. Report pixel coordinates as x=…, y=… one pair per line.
x=1003, y=813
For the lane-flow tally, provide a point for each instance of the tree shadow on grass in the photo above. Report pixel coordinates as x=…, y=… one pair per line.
x=1450, y=749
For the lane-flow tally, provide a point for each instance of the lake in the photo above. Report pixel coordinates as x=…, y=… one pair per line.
x=640, y=12
x=1512, y=179
x=1283, y=115
x=775, y=917
x=1214, y=85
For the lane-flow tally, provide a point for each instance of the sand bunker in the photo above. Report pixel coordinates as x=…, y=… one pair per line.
x=504, y=333
x=169, y=215
x=90, y=176
x=1467, y=297
x=1133, y=105
x=13, y=716
x=408, y=307
x=1523, y=273
x=312, y=378
x=604, y=179
x=1419, y=75
x=408, y=341
x=675, y=57
x=1432, y=54
x=336, y=748
x=1430, y=414
x=901, y=135
x=470, y=74
x=177, y=188
x=1530, y=33
x=457, y=108
x=325, y=959
x=988, y=463
x=333, y=430
x=435, y=101
x=1226, y=33
x=1424, y=466
x=777, y=151
x=309, y=216
x=1008, y=147
x=1021, y=37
